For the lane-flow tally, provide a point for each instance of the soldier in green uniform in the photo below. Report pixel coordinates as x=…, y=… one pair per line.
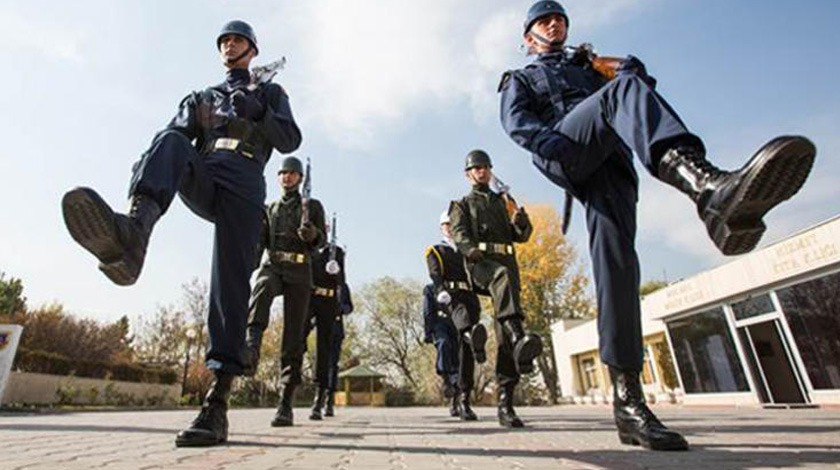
x=484, y=232
x=290, y=241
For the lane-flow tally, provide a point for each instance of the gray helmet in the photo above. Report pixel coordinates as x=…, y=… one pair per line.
x=291, y=164
x=541, y=9
x=477, y=158
x=239, y=28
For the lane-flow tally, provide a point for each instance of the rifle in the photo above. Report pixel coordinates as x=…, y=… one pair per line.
x=605, y=65
x=305, y=195
x=504, y=191
x=332, y=265
x=264, y=73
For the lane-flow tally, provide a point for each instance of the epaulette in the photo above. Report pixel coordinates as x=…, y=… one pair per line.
x=505, y=80
x=432, y=250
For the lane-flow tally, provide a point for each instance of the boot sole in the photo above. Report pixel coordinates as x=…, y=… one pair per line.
x=90, y=222
x=787, y=161
x=479, y=339
x=199, y=443
x=629, y=439
x=525, y=353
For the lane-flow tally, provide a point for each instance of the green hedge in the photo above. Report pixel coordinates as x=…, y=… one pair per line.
x=56, y=364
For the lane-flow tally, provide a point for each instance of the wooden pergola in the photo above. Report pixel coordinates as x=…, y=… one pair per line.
x=360, y=385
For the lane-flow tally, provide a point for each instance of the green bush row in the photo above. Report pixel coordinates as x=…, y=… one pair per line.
x=50, y=363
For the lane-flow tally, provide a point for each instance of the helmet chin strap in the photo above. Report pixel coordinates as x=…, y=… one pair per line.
x=553, y=45
x=236, y=59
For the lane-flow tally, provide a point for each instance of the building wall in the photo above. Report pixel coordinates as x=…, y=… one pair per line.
x=44, y=389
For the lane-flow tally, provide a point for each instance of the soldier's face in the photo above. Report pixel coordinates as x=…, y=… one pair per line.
x=289, y=179
x=232, y=46
x=480, y=174
x=551, y=27
x=446, y=230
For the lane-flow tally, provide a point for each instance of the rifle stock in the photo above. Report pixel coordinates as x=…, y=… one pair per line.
x=305, y=195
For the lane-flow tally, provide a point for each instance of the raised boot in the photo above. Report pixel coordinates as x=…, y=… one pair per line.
x=253, y=343
x=507, y=415
x=329, y=409
x=318, y=404
x=637, y=425
x=526, y=346
x=119, y=241
x=283, y=416
x=476, y=337
x=467, y=413
x=454, y=405
x=211, y=425
x=732, y=204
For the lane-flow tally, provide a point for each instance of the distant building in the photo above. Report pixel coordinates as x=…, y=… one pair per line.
x=762, y=329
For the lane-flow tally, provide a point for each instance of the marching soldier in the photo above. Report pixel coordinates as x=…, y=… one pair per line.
x=345, y=306
x=452, y=293
x=328, y=275
x=212, y=153
x=287, y=271
x=484, y=232
x=440, y=331
x=582, y=130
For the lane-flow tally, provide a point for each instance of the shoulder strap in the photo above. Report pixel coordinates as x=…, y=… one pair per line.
x=548, y=84
x=433, y=250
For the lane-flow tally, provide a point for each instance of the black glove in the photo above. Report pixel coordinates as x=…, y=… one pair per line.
x=520, y=218
x=474, y=255
x=247, y=105
x=307, y=232
x=632, y=64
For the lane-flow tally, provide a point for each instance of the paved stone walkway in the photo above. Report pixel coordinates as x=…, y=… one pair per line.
x=578, y=437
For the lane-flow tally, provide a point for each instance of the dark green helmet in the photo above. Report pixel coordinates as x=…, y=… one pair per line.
x=541, y=9
x=291, y=164
x=477, y=158
x=239, y=28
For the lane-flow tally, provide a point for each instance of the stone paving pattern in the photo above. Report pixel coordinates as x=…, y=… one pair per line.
x=575, y=437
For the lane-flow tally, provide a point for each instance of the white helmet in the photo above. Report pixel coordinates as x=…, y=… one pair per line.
x=444, y=217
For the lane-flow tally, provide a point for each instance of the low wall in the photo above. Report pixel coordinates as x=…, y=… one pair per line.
x=43, y=389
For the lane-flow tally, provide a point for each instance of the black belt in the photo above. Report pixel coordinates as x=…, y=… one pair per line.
x=324, y=292
x=233, y=145
x=287, y=257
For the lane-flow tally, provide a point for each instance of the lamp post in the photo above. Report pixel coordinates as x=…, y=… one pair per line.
x=190, y=337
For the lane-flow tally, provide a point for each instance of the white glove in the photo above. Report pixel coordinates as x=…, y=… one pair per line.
x=333, y=267
x=444, y=298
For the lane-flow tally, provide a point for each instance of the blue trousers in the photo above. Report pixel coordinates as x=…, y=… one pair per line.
x=335, y=354
x=173, y=166
x=623, y=118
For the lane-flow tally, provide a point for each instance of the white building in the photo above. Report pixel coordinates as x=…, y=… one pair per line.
x=762, y=329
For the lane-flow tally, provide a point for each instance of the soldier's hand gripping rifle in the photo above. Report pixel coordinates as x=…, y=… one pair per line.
x=504, y=191
x=332, y=265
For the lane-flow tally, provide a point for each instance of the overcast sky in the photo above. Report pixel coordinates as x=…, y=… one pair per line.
x=390, y=96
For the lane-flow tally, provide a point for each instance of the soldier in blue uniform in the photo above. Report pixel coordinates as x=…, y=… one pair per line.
x=290, y=242
x=582, y=130
x=324, y=311
x=440, y=331
x=212, y=154
x=345, y=307
x=459, y=336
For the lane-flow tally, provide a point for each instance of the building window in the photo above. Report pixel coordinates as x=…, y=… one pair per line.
x=591, y=380
x=753, y=307
x=706, y=355
x=813, y=313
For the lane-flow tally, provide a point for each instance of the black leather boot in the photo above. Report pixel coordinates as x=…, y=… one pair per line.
x=507, y=415
x=211, y=425
x=637, y=425
x=283, y=416
x=526, y=346
x=318, y=404
x=329, y=409
x=119, y=241
x=732, y=204
x=253, y=343
x=454, y=405
x=467, y=413
x=476, y=337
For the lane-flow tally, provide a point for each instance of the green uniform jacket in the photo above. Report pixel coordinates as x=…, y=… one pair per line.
x=481, y=216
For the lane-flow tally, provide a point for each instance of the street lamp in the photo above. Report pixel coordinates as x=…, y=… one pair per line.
x=190, y=338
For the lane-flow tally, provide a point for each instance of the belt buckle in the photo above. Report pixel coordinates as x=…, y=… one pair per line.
x=299, y=258
x=509, y=249
x=226, y=143
x=482, y=246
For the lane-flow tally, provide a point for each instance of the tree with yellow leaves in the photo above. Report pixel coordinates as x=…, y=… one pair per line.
x=553, y=285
